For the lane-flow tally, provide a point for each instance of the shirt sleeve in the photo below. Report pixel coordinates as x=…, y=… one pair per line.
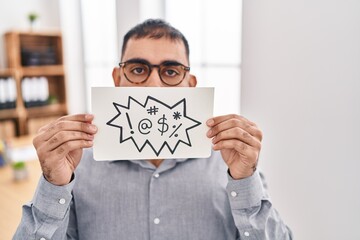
x=254, y=215
x=47, y=215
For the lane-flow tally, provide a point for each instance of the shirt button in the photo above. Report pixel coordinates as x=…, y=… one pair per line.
x=62, y=201
x=156, y=175
x=156, y=220
x=246, y=234
x=233, y=194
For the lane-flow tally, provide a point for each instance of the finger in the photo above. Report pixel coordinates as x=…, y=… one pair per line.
x=65, y=136
x=76, y=117
x=87, y=118
x=237, y=133
x=245, y=150
x=64, y=126
x=66, y=147
x=69, y=146
x=216, y=120
x=229, y=123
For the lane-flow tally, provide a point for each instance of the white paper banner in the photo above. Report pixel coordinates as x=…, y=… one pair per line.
x=151, y=123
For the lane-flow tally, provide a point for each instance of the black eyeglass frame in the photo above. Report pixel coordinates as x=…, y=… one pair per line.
x=152, y=66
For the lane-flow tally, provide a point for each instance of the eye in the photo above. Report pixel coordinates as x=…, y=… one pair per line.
x=171, y=72
x=138, y=70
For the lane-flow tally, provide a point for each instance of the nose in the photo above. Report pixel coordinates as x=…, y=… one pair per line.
x=154, y=79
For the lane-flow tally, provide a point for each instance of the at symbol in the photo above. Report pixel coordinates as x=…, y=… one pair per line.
x=144, y=125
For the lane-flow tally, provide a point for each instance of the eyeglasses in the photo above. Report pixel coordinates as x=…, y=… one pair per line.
x=137, y=71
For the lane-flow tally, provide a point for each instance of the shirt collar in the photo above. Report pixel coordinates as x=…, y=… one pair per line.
x=165, y=165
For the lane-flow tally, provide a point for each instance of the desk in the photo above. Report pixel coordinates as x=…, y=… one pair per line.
x=13, y=195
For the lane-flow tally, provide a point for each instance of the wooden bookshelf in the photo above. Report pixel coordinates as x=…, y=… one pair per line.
x=54, y=70
x=34, y=54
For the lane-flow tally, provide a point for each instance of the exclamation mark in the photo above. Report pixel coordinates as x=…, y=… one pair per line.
x=127, y=116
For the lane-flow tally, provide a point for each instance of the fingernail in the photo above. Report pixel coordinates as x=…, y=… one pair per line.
x=88, y=116
x=93, y=127
x=210, y=122
x=209, y=133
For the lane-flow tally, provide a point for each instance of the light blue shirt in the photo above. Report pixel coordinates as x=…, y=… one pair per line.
x=181, y=199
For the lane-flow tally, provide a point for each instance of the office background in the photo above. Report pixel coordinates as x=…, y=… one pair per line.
x=293, y=67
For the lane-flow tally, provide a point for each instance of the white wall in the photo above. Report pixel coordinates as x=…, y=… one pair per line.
x=13, y=16
x=71, y=26
x=99, y=43
x=301, y=84
x=214, y=34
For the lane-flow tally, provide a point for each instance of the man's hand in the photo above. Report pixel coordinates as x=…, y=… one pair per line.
x=59, y=146
x=239, y=141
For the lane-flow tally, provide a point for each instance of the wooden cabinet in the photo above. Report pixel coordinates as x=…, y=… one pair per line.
x=32, y=56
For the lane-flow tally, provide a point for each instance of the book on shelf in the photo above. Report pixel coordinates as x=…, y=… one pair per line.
x=8, y=93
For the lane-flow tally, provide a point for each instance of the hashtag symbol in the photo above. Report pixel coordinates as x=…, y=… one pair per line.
x=152, y=110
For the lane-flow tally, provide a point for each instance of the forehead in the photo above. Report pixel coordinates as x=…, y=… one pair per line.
x=155, y=50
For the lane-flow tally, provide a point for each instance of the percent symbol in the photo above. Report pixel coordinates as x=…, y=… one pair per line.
x=175, y=130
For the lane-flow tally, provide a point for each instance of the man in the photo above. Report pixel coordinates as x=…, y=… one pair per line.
x=218, y=198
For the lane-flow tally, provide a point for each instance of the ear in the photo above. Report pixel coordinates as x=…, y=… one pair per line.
x=192, y=81
x=116, y=76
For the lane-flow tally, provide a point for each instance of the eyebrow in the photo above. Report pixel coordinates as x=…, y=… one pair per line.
x=141, y=60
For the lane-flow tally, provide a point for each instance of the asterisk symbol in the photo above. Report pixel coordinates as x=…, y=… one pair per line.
x=177, y=115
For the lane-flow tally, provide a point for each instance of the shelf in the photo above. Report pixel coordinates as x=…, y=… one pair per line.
x=45, y=111
x=34, y=54
x=8, y=114
x=52, y=70
x=40, y=33
x=50, y=33
x=7, y=72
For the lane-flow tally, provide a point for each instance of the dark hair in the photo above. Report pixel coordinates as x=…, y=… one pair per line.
x=155, y=28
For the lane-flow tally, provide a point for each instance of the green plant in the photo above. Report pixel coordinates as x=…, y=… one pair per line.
x=53, y=99
x=18, y=165
x=32, y=17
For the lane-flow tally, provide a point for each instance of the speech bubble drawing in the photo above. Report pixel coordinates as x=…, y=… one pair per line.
x=154, y=124
x=132, y=122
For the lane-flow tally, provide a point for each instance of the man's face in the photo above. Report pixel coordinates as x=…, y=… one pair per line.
x=154, y=51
